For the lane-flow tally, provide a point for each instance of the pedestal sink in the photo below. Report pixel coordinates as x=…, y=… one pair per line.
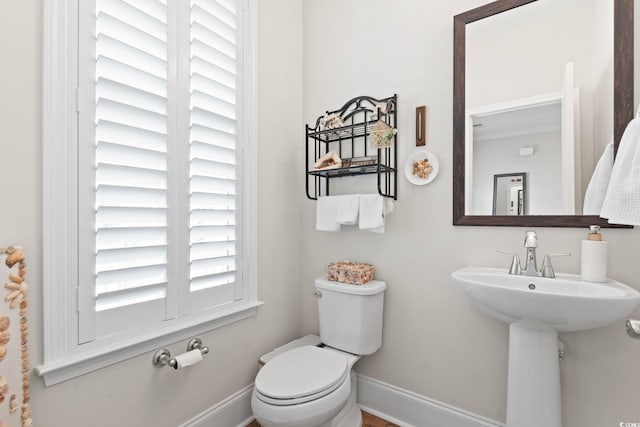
x=536, y=309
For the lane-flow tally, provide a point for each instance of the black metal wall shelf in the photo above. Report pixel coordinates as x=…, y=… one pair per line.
x=351, y=142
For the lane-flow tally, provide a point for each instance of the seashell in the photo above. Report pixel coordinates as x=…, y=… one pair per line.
x=24, y=327
x=22, y=271
x=331, y=160
x=26, y=423
x=11, y=295
x=4, y=323
x=14, y=303
x=12, y=286
x=25, y=377
x=13, y=404
x=3, y=352
x=15, y=278
x=5, y=336
x=14, y=258
x=24, y=303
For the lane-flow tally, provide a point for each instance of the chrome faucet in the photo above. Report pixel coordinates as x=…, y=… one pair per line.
x=531, y=243
x=531, y=265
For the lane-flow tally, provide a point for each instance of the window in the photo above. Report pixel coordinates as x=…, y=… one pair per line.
x=156, y=189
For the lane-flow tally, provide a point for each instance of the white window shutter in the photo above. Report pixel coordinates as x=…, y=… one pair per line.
x=158, y=126
x=129, y=142
x=214, y=179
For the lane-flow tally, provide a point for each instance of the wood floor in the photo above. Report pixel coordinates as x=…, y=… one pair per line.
x=368, y=420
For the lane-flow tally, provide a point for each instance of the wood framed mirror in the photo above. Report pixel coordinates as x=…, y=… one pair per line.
x=502, y=20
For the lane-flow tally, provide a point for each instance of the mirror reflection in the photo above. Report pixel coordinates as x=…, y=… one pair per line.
x=539, y=103
x=509, y=193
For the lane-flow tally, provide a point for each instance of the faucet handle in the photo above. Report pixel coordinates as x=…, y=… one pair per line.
x=556, y=255
x=547, y=268
x=515, y=261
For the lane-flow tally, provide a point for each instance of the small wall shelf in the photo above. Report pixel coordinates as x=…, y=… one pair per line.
x=351, y=141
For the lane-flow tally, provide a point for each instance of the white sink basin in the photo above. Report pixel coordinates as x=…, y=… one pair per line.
x=536, y=309
x=566, y=303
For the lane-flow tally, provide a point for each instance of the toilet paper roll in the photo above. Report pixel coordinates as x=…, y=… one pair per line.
x=594, y=261
x=187, y=359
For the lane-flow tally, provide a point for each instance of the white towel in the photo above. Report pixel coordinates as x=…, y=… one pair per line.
x=348, y=207
x=326, y=213
x=597, y=188
x=372, y=213
x=622, y=201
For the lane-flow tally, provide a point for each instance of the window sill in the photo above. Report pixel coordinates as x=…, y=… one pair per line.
x=85, y=361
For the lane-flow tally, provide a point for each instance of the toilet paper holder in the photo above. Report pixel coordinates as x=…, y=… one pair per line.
x=163, y=357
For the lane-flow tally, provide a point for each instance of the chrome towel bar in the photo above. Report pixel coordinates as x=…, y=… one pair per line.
x=633, y=328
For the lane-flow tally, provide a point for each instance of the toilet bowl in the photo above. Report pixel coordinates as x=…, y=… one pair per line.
x=307, y=386
x=304, y=385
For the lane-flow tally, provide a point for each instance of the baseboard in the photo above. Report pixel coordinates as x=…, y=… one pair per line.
x=394, y=404
x=408, y=409
x=235, y=410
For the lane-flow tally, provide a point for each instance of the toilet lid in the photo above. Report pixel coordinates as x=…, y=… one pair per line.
x=302, y=372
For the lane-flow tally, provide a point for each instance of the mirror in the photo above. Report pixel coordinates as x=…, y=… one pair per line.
x=544, y=106
x=509, y=193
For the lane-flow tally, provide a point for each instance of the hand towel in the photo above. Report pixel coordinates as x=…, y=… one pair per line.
x=348, y=208
x=371, y=213
x=622, y=202
x=597, y=188
x=326, y=213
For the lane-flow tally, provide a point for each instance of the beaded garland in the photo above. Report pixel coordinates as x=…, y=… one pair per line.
x=16, y=297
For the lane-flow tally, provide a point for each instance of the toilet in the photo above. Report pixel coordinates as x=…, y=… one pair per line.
x=309, y=382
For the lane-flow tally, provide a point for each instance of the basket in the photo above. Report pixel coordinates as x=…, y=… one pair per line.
x=349, y=272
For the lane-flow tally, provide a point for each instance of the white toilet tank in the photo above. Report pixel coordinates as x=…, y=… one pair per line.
x=350, y=316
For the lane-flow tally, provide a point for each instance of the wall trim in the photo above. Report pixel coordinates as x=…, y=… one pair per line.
x=408, y=409
x=235, y=410
x=394, y=404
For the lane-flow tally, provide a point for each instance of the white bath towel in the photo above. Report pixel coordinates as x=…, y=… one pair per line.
x=371, y=213
x=326, y=214
x=599, y=183
x=348, y=208
x=622, y=202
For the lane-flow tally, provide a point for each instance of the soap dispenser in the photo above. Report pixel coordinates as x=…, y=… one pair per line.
x=594, y=256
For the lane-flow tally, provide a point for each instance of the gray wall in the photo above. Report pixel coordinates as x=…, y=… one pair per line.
x=435, y=342
x=543, y=169
x=133, y=393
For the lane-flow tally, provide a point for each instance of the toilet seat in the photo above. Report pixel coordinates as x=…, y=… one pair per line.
x=301, y=375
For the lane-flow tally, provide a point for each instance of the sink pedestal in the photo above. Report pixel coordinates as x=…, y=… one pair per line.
x=533, y=392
